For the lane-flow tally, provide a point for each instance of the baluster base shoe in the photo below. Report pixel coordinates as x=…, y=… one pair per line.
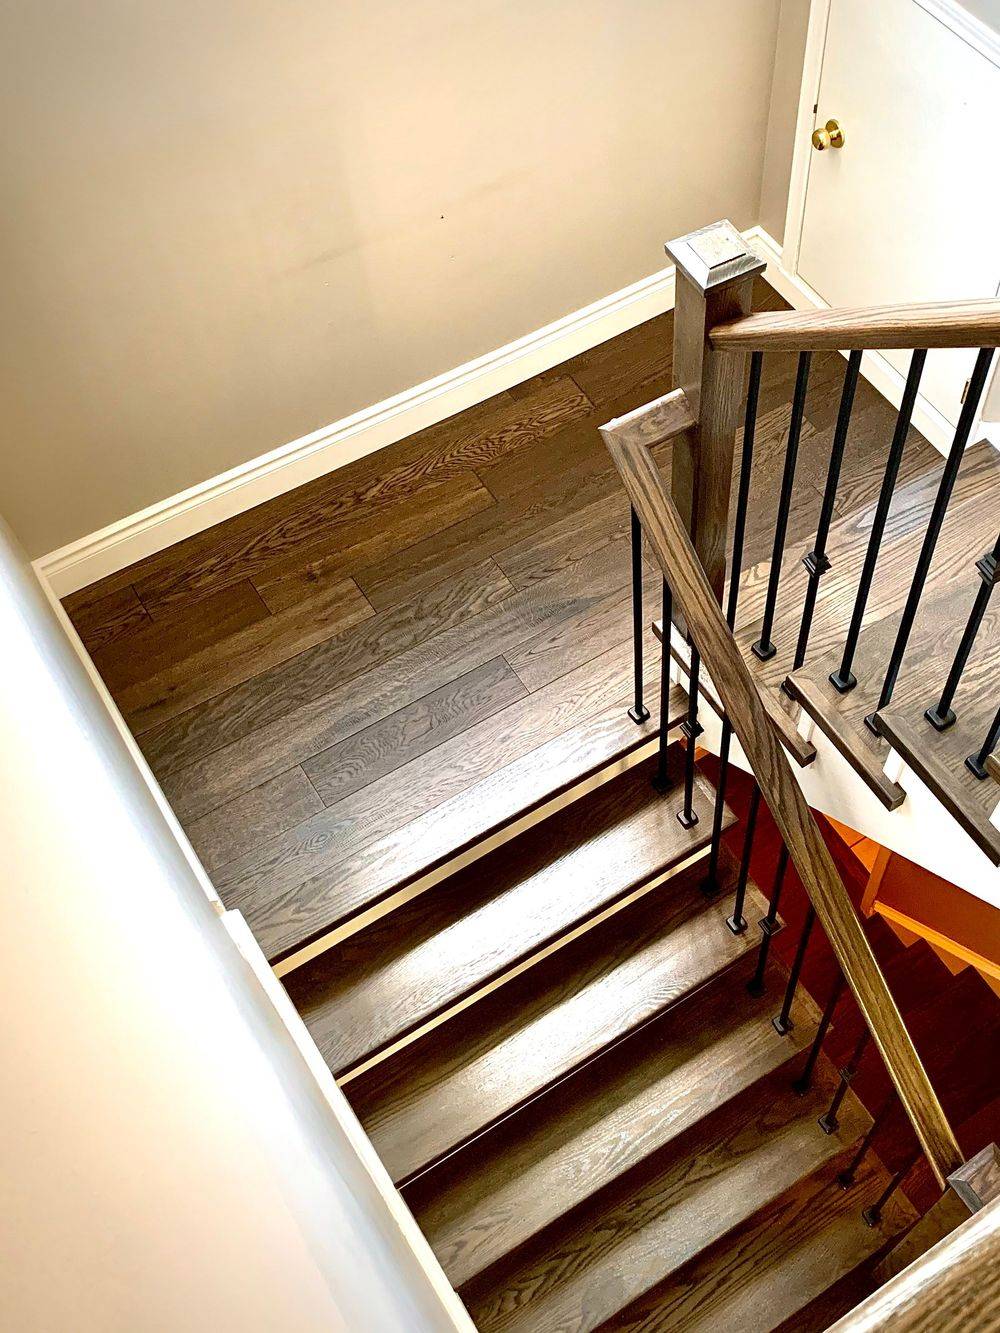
x=842, y=683
x=763, y=651
x=639, y=715
x=939, y=721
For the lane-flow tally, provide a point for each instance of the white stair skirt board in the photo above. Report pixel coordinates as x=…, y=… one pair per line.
x=874, y=367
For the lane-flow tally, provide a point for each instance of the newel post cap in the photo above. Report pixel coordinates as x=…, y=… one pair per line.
x=714, y=255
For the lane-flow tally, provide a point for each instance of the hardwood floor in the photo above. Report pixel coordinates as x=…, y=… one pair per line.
x=311, y=677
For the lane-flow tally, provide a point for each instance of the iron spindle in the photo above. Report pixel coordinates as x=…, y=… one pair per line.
x=828, y=1121
x=976, y=763
x=941, y=715
x=783, y=1022
x=804, y=1081
x=764, y=648
x=769, y=926
x=872, y=1215
x=638, y=712
x=660, y=781
x=710, y=884
x=846, y=1177
x=737, y=922
x=945, y=488
x=817, y=562
x=844, y=679
x=692, y=729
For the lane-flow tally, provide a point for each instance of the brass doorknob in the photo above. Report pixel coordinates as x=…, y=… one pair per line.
x=831, y=137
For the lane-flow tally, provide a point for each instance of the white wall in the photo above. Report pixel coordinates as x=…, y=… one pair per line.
x=228, y=224
x=167, y=1160
x=790, y=45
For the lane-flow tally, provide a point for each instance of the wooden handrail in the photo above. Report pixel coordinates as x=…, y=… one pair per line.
x=954, y=1286
x=666, y=534
x=930, y=324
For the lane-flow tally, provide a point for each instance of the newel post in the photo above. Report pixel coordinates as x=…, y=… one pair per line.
x=715, y=273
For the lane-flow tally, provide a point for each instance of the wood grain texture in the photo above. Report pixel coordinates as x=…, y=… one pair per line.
x=955, y=1286
x=464, y=1077
x=609, y=1117
x=925, y=324
x=767, y=1273
x=393, y=741
x=697, y=601
x=384, y=982
x=622, y=1244
x=294, y=895
x=102, y=619
x=243, y=824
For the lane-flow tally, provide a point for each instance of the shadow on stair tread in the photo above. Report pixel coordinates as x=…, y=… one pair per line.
x=783, y=1268
x=464, y=1076
x=372, y=872
x=611, y=1252
x=478, y=1206
x=385, y=981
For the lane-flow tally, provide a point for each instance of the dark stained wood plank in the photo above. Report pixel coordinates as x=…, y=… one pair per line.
x=157, y=646
x=236, y=768
x=466, y=1075
x=546, y=554
x=296, y=894
x=769, y=1270
x=411, y=731
x=245, y=823
x=556, y=650
x=102, y=620
x=381, y=984
x=537, y=502
x=572, y=451
x=356, y=543
x=332, y=660
x=613, y=1114
x=242, y=656
x=591, y=1267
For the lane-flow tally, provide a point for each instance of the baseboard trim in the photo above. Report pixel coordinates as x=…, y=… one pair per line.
x=121, y=544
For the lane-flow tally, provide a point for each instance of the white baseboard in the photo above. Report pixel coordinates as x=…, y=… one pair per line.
x=121, y=544
x=874, y=367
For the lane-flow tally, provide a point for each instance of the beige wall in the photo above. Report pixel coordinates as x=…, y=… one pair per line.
x=228, y=224
x=788, y=52
x=167, y=1161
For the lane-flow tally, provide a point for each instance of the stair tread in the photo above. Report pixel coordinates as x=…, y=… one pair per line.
x=603, y=1258
x=942, y=615
x=970, y=512
x=937, y=759
x=478, y=1206
x=409, y=966
x=317, y=904
x=465, y=1075
x=767, y=1273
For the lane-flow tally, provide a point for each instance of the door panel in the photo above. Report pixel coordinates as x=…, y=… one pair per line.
x=909, y=208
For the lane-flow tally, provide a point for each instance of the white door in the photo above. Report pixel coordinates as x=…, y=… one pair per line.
x=909, y=208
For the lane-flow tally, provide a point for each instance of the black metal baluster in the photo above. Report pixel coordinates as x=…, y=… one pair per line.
x=710, y=884
x=660, y=781
x=769, y=926
x=737, y=923
x=764, y=648
x=976, y=763
x=692, y=729
x=783, y=1022
x=945, y=488
x=804, y=1081
x=828, y=1121
x=638, y=712
x=846, y=1177
x=817, y=562
x=872, y=1215
x=941, y=715
x=844, y=679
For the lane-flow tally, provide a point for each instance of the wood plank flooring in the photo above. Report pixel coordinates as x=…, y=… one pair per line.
x=399, y=631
